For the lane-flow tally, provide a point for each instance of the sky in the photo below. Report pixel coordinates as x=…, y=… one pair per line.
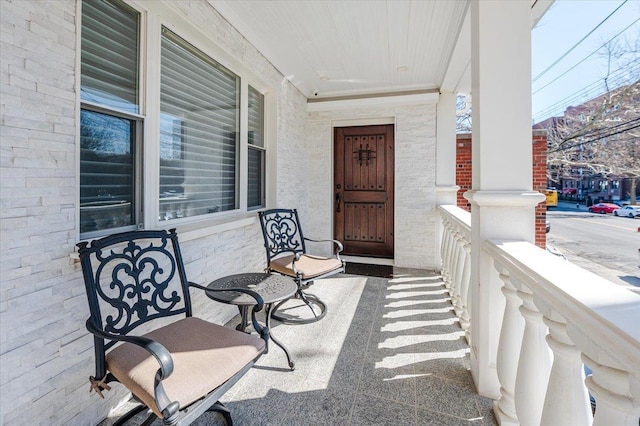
x=579, y=75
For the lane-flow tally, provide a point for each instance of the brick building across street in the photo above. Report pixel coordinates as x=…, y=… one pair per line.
x=463, y=176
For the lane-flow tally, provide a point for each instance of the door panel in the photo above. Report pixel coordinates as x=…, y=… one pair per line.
x=363, y=189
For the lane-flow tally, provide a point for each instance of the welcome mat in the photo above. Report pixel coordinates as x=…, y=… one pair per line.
x=368, y=270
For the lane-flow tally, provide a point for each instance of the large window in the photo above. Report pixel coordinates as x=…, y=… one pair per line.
x=199, y=123
x=109, y=129
x=256, y=151
x=187, y=166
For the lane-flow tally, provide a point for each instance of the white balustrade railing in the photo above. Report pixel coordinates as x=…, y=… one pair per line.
x=456, y=261
x=558, y=318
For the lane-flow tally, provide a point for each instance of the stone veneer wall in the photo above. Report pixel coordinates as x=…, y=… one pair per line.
x=415, y=168
x=464, y=177
x=46, y=354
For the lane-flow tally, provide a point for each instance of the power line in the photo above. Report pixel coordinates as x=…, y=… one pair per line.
x=602, y=129
x=617, y=78
x=583, y=59
x=633, y=124
x=578, y=43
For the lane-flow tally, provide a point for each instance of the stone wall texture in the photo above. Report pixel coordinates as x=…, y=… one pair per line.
x=415, y=170
x=45, y=351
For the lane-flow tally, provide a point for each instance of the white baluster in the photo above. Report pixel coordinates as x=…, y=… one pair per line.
x=611, y=388
x=446, y=269
x=534, y=364
x=454, y=291
x=465, y=315
x=443, y=246
x=567, y=400
x=508, y=351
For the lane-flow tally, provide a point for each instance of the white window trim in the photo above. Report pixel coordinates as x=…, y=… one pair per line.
x=153, y=16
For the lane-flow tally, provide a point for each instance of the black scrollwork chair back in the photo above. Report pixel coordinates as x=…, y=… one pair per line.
x=287, y=254
x=145, y=335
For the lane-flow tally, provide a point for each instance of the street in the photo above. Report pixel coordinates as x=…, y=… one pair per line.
x=603, y=244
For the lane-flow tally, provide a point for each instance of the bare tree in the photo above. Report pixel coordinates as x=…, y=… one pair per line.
x=463, y=114
x=601, y=137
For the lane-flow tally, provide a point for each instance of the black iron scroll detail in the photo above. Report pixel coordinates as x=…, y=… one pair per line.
x=135, y=284
x=283, y=234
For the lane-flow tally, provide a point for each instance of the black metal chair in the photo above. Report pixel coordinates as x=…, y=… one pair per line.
x=287, y=255
x=179, y=369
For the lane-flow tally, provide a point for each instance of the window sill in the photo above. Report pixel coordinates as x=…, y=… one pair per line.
x=194, y=231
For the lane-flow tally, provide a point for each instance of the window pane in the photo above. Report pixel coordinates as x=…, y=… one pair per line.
x=199, y=121
x=255, y=190
x=106, y=171
x=109, y=59
x=256, y=118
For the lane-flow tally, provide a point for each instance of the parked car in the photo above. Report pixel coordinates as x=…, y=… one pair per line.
x=628, y=211
x=547, y=226
x=603, y=208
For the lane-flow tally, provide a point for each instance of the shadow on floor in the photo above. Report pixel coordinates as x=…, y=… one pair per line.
x=634, y=281
x=389, y=352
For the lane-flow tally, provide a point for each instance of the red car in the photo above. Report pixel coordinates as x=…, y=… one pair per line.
x=603, y=208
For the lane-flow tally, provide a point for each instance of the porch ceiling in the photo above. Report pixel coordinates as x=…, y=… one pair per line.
x=349, y=48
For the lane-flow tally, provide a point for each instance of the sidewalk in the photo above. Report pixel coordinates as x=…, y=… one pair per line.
x=572, y=206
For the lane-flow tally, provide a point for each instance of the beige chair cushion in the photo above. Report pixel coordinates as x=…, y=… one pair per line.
x=205, y=355
x=310, y=266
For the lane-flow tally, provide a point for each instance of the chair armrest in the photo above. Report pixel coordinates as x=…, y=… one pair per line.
x=336, y=242
x=263, y=331
x=159, y=352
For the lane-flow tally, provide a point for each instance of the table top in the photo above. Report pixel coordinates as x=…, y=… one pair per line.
x=272, y=288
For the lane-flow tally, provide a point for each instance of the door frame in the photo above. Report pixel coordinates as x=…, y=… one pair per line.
x=373, y=121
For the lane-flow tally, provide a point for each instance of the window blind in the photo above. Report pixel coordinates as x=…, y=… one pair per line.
x=108, y=136
x=199, y=122
x=109, y=64
x=256, y=154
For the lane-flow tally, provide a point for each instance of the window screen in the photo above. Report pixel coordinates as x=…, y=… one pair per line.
x=107, y=166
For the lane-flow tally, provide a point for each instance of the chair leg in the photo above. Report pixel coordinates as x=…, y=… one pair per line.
x=220, y=408
x=311, y=301
x=132, y=413
x=149, y=421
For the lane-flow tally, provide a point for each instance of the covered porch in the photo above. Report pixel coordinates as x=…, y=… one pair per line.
x=389, y=351
x=476, y=325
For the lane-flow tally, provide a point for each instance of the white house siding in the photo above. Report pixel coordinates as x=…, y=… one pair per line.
x=293, y=156
x=415, y=169
x=46, y=354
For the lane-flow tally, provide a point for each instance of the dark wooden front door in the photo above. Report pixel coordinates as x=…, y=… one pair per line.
x=363, y=190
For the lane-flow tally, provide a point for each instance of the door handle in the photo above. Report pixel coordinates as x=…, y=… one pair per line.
x=338, y=199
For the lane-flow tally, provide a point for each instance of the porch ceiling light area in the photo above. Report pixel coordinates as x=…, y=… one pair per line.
x=377, y=46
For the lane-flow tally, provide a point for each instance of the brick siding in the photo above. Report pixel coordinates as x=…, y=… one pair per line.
x=540, y=183
x=464, y=177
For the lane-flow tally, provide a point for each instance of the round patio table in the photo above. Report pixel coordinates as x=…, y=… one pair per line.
x=272, y=289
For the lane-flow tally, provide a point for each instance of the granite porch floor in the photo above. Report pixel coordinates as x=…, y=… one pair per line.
x=389, y=352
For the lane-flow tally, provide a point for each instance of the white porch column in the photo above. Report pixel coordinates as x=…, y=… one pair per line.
x=446, y=188
x=502, y=198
